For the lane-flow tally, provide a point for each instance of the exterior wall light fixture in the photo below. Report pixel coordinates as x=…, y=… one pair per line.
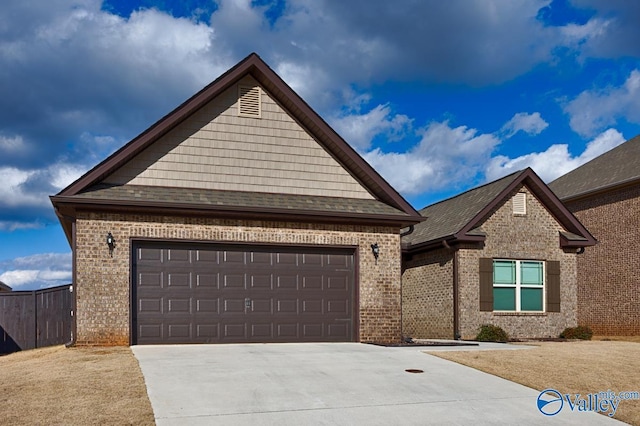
x=111, y=242
x=376, y=251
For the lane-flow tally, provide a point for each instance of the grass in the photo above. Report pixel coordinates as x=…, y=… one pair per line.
x=75, y=386
x=570, y=367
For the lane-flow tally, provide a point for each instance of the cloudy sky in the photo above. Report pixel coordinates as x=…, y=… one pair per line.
x=438, y=96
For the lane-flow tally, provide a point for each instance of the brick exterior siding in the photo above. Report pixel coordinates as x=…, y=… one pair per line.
x=427, y=295
x=609, y=272
x=103, y=283
x=428, y=278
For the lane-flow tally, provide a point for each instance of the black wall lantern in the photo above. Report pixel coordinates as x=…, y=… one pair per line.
x=376, y=251
x=111, y=242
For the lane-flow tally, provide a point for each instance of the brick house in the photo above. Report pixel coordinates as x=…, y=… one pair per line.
x=503, y=253
x=241, y=216
x=605, y=195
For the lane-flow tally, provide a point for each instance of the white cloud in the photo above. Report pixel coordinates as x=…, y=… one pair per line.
x=556, y=160
x=37, y=271
x=360, y=129
x=593, y=110
x=12, y=145
x=531, y=124
x=33, y=187
x=445, y=157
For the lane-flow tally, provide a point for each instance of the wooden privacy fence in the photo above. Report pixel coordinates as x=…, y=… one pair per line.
x=34, y=319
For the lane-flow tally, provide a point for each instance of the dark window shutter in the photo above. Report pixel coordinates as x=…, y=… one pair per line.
x=486, y=284
x=553, y=286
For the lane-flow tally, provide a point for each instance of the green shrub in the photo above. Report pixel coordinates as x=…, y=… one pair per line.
x=579, y=332
x=491, y=333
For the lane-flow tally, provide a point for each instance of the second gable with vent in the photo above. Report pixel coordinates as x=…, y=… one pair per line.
x=239, y=217
x=502, y=254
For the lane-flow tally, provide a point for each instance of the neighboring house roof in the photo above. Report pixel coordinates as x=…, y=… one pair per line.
x=386, y=205
x=459, y=219
x=4, y=287
x=613, y=169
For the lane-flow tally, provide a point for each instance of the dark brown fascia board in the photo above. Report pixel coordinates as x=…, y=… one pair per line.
x=540, y=189
x=567, y=243
x=255, y=66
x=449, y=240
x=601, y=190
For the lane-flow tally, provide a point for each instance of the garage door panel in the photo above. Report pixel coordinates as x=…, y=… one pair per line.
x=260, y=259
x=233, y=258
x=150, y=279
x=233, y=306
x=286, y=259
x=287, y=331
x=181, y=306
x=208, y=332
x=312, y=306
x=312, y=282
x=287, y=307
x=210, y=281
x=179, y=332
x=178, y=256
x=261, y=307
x=339, y=283
x=337, y=307
x=178, y=279
x=210, y=257
x=338, y=330
x=261, y=281
x=207, y=306
x=150, y=254
x=312, y=259
x=233, y=280
x=153, y=305
x=214, y=295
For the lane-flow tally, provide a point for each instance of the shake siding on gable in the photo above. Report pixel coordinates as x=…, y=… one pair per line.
x=217, y=149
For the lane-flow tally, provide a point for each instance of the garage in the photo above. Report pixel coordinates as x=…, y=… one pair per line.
x=209, y=293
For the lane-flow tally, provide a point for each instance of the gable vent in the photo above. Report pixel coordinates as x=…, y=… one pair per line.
x=249, y=101
x=520, y=203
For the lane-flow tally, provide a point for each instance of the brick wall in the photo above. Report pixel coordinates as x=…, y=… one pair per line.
x=104, y=282
x=609, y=272
x=427, y=295
x=532, y=236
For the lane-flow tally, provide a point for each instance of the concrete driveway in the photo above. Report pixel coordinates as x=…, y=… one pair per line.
x=331, y=384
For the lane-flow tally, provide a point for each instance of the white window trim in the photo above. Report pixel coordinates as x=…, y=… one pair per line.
x=519, y=285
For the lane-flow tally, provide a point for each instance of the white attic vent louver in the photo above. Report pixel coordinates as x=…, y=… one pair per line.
x=249, y=101
x=520, y=203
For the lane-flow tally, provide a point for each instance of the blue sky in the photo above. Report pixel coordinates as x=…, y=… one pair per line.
x=438, y=96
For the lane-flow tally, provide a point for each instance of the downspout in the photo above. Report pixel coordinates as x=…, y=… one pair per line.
x=74, y=288
x=456, y=319
x=402, y=234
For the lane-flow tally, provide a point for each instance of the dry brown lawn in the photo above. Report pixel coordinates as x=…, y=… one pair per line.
x=75, y=386
x=570, y=367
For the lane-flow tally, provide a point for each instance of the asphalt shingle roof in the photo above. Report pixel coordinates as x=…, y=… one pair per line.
x=236, y=199
x=450, y=216
x=618, y=166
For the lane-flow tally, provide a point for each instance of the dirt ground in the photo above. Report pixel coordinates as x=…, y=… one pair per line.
x=75, y=386
x=570, y=367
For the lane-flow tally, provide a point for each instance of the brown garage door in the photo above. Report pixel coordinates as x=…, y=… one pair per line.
x=231, y=294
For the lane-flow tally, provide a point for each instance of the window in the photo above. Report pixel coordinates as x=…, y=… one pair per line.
x=518, y=285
